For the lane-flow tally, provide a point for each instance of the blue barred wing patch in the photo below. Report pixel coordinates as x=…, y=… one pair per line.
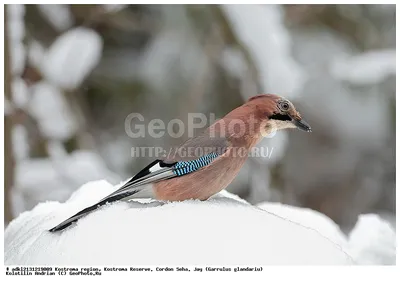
x=182, y=168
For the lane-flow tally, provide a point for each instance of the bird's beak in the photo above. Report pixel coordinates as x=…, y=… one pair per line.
x=301, y=124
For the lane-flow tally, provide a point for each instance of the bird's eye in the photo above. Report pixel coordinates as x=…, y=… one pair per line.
x=285, y=106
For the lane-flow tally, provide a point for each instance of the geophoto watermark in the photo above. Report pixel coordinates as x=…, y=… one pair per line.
x=136, y=127
x=197, y=152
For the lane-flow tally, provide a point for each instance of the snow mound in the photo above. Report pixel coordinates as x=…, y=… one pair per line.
x=308, y=218
x=223, y=230
x=371, y=242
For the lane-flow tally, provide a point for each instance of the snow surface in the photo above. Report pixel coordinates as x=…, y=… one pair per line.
x=50, y=109
x=262, y=30
x=372, y=241
x=36, y=53
x=223, y=230
x=20, y=95
x=72, y=56
x=113, y=8
x=55, y=179
x=58, y=15
x=20, y=142
x=16, y=32
x=309, y=218
x=367, y=68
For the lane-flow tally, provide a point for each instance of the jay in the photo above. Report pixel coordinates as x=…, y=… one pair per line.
x=206, y=164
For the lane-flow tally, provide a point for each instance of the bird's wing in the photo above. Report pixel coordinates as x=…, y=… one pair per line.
x=197, y=147
x=192, y=155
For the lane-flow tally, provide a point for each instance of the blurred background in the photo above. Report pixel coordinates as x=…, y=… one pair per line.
x=73, y=73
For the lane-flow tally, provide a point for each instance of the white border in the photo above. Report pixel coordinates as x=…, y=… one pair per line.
x=270, y=273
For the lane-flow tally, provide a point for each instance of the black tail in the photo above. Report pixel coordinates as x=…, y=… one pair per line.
x=145, y=176
x=90, y=209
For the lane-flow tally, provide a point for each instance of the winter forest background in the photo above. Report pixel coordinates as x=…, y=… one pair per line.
x=73, y=73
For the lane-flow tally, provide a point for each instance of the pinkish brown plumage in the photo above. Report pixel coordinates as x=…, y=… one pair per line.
x=204, y=165
x=216, y=176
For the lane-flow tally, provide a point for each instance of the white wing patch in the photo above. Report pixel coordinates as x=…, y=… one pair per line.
x=155, y=167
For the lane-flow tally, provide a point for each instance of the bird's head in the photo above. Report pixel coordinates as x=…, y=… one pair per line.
x=277, y=112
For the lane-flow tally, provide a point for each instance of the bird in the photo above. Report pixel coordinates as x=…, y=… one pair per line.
x=207, y=163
